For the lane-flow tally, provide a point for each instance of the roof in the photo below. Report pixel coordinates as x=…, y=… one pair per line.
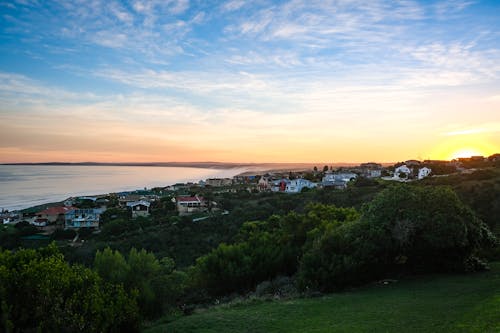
x=190, y=199
x=56, y=210
x=137, y=203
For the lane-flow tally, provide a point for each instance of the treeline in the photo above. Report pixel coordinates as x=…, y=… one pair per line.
x=405, y=229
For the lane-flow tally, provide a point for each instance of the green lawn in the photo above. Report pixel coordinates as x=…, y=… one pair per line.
x=456, y=303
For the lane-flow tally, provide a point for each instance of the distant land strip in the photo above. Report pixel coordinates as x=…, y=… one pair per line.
x=206, y=165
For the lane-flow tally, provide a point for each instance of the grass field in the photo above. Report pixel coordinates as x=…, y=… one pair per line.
x=438, y=303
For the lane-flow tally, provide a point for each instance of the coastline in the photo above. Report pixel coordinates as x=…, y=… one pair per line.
x=28, y=185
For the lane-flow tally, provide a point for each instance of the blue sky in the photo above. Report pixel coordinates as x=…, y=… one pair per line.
x=248, y=80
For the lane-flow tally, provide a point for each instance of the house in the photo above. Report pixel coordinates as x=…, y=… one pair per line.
x=298, y=184
x=53, y=214
x=279, y=185
x=139, y=208
x=176, y=187
x=39, y=222
x=125, y=199
x=424, y=172
x=370, y=165
x=83, y=218
x=402, y=172
x=265, y=183
x=373, y=173
x=188, y=205
x=338, y=184
x=494, y=157
x=8, y=217
x=344, y=176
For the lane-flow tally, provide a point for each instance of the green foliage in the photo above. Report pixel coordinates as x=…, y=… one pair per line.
x=114, y=213
x=155, y=283
x=404, y=228
x=40, y=292
x=118, y=227
x=265, y=250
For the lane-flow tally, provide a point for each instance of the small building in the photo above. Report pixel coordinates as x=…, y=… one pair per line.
x=279, y=185
x=82, y=218
x=402, y=172
x=424, y=172
x=298, y=184
x=373, y=173
x=188, y=205
x=494, y=157
x=53, y=214
x=370, y=165
x=218, y=182
x=344, y=176
x=338, y=184
x=39, y=222
x=265, y=183
x=139, y=208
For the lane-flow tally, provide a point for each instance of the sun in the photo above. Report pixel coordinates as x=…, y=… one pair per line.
x=466, y=152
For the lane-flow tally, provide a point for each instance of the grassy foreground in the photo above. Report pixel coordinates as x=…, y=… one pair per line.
x=439, y=303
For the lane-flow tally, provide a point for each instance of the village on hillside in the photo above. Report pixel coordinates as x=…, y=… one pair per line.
x=85, y=212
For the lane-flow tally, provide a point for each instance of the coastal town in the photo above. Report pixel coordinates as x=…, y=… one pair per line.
x=190, y=199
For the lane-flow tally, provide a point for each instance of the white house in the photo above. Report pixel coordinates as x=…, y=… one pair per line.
x=279, y=185
x=344, y=176
x=188, y=205
x=297, y=185
x=424, y=172
x=402, y=172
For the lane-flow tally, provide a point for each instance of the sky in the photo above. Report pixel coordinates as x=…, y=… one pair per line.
x=248, y=81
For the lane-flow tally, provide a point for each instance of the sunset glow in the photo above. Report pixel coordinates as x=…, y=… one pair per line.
x=464, y=153
x=244, y=81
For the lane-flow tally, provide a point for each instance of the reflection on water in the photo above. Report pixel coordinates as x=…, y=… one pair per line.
x=23, y=186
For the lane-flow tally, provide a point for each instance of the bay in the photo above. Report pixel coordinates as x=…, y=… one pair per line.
x=23, y=186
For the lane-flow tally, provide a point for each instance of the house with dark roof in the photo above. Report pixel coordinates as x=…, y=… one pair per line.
x=139, y=208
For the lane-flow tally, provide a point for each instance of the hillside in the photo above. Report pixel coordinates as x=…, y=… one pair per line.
x=437, y=303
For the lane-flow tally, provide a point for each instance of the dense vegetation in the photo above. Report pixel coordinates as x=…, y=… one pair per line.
x=41, y=292
x=404, y=229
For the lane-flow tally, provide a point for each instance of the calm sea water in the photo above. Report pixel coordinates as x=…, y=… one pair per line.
x=23, y=186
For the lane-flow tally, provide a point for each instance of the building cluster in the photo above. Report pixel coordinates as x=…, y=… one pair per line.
x=86, y=211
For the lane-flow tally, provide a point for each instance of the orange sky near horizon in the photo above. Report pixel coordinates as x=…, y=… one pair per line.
x=249, y=81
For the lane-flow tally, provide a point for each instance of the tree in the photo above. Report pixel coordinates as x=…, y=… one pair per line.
x=111, y=266
x=154, y=282
x=325, y=168
x=60, y=297
x=405, y=228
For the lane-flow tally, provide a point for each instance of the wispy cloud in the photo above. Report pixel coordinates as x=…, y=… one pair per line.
x=488, y=128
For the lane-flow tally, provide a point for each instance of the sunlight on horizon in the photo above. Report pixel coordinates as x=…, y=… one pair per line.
x=465, y=153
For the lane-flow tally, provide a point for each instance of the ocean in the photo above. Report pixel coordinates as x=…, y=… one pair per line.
x=23, y=186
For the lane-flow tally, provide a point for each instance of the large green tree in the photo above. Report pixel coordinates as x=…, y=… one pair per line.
x=404, y=229
x=41, y=292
